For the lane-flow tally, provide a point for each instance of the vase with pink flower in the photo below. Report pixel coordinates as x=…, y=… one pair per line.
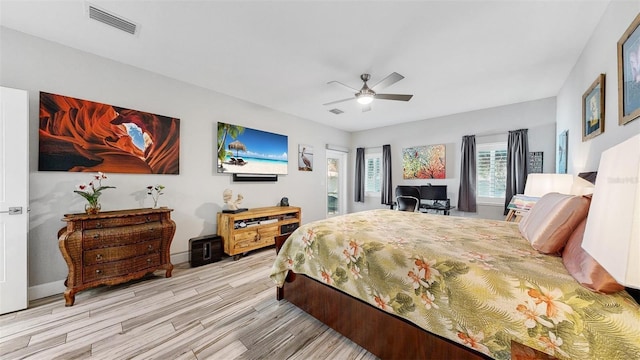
x=91, y=192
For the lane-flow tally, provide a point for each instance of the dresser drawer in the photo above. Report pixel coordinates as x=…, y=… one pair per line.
x=269, y=231
x=119, y=268
x=118, y=236
x=108, y=254
x=121, y=221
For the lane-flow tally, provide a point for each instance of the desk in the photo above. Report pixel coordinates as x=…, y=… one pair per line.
x=446, y=209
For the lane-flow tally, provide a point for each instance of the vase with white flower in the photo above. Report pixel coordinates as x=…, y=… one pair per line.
x=155, y=192
x=91, y=192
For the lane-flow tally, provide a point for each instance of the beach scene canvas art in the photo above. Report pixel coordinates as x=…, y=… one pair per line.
x=242, y=150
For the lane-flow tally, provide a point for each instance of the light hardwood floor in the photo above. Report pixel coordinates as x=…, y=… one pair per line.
x=225, y=310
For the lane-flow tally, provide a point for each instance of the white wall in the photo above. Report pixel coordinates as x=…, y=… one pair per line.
x=598, y=57
x=489, y=124
x=37, y=65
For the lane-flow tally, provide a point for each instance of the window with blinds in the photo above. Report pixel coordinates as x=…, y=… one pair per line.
x=491, y=170
x=373, y=175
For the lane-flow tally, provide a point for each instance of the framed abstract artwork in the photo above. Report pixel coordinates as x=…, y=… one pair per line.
x=629, y=73
x=593, y=109
x=82, y=135
x=424, y=162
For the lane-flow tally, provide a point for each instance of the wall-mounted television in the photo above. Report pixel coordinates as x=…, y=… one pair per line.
x=242, y=150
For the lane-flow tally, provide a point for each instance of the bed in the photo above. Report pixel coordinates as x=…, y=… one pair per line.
x=413, y=285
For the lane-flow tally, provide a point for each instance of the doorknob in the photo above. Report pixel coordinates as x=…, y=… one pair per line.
x=17, y=210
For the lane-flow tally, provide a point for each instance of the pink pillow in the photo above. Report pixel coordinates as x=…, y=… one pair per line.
x=551, y=221
x=586, y=269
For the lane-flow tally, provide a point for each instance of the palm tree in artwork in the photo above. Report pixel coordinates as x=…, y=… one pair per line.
x=225, y=130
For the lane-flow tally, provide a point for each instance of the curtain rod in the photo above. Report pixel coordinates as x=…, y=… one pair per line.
x=492, y=133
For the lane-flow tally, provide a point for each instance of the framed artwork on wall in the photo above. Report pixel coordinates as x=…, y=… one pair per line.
x=245, y=151
x=593, y=109
x=424, y=162
x=305, y=157
x=629, y=73
x=561, y=165
x=535, y=162
x=82, y=135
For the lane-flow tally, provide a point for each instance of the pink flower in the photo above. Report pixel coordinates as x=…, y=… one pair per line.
x=326, y=276
x=382, y=301
x=552, y=344
x=426, y=270
x=473, y=340
x=427, y=299
x=532, y=314
x=348, y=257
x=355, y=271
x=356, y=248
x=556, y=310
x=414, y=276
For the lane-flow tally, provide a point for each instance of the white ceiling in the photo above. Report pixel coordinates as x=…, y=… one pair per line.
x=456, y=56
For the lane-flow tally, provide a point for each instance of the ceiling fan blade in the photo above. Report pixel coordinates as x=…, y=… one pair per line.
x=391, y=79
x=343, y=85
x=338, y=101
x=393, y=97
x=366, y=108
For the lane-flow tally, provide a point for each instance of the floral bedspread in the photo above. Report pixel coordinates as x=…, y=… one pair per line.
x=474, y=281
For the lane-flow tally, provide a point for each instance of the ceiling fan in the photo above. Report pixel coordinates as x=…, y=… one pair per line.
x=366, y=94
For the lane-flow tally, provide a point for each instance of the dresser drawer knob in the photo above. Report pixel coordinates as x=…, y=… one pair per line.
x=96, y=236
x=98, y=225
x=148, y=261
x=99, y=257
x=98, y=271
x=150, y=247
x=148, y=218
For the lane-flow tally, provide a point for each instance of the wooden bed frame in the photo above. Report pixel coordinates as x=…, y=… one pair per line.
x=383, y=334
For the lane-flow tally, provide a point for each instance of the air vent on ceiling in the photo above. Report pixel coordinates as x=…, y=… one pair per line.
x=112, y=20
x=336, y=111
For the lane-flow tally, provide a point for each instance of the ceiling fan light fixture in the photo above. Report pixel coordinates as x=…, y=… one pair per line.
x=365, y=99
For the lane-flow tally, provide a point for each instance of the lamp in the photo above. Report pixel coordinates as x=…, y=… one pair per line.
x=541, y=184
x=612, y=232
x=365, y=98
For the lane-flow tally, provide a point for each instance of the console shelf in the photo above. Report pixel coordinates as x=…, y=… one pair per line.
x=255, y=228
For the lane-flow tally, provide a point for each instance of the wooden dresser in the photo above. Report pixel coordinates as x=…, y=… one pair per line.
x=114, y=247
x=256, y=228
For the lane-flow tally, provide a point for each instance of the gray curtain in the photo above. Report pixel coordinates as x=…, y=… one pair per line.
x=467, y=190
x=359, y=176
x=387, y=190
x=517, y=164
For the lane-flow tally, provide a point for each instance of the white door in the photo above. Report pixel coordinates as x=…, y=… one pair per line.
x=14, y=198
x=336, y=183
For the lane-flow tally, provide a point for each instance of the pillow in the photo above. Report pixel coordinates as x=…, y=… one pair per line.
x=585, y=269
x=551, y=221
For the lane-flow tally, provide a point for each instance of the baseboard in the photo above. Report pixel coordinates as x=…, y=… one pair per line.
x=57, y=287
x=180, y=258
x=44, y=290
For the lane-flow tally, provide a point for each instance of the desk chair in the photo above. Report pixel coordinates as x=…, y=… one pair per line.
x=407, y=203
x=408, y=198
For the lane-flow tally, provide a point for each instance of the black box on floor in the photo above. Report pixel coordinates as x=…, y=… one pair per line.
x=205, y=250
